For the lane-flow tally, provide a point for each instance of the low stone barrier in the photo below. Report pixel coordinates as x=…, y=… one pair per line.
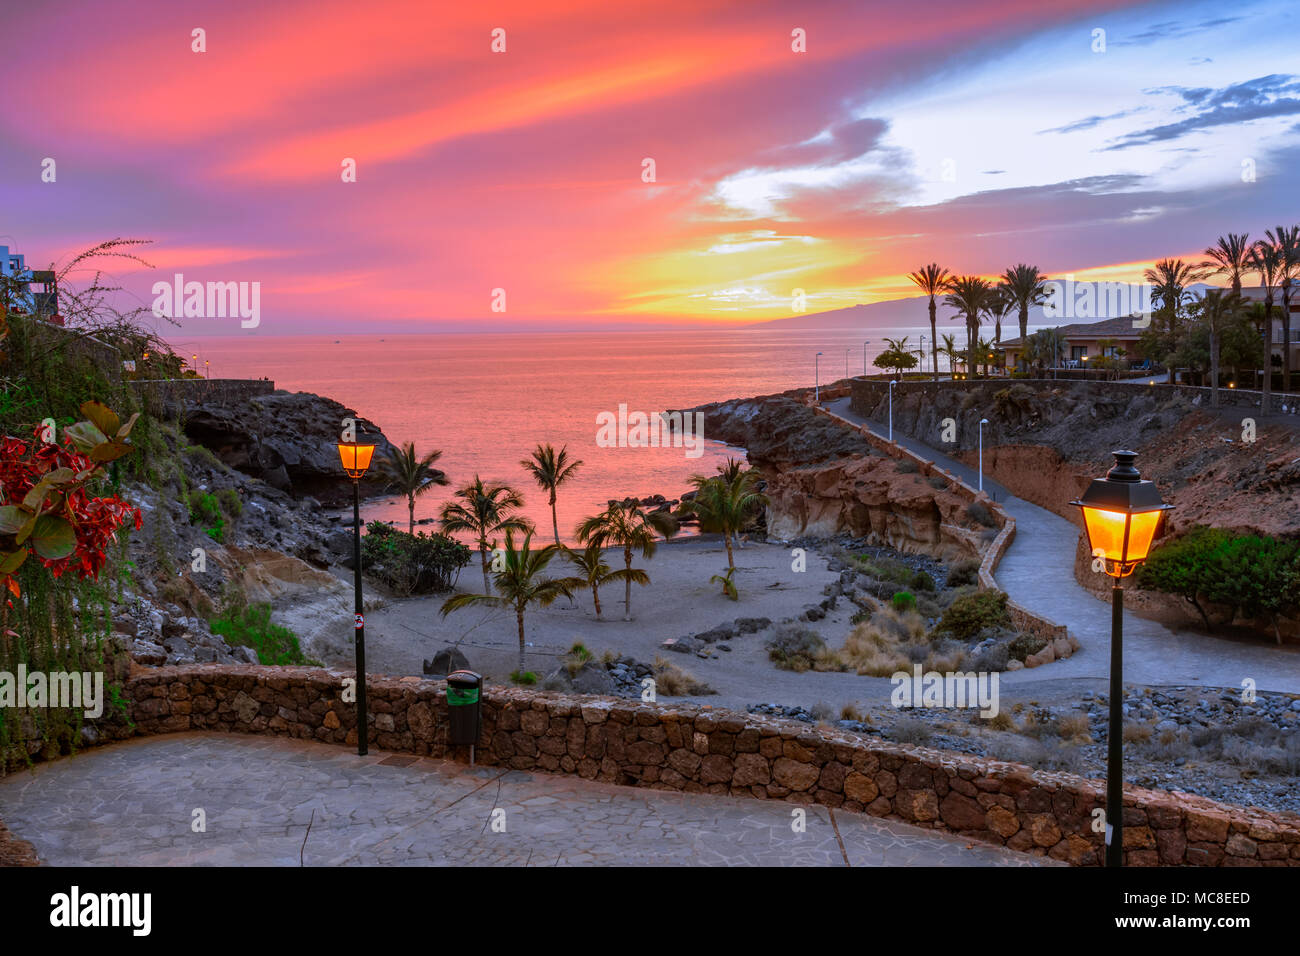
x=162, y=394
x=695, y=749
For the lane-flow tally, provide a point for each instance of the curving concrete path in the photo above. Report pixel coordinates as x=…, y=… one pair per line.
x=272, y=801
x=1038, y=572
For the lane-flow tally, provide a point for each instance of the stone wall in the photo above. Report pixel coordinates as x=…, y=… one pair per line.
x=868, y=394
x=160, y=394
x=698, y=750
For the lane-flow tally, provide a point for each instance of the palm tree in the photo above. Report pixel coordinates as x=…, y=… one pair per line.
x=969, y=295
x=1027, y=287
x=949, y=348
x=984, y=352
x=550, y=469
x=411, y=474
x=628, y=527
x=1265, y=260
x=731, y=469
x=519, y=583
x=1229, y=256
x=724, y=506
x=1044, y=347
x=932, y=280
x=1170, y=279
x=594, y=572
x=1286, y=240
x=484, y=511
x=1218, y=309
x=998, y=308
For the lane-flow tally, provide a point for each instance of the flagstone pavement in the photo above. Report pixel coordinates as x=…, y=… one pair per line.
x=281, y=802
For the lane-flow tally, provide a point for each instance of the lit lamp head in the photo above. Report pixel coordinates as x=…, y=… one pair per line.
x=1121, y=514
x=356, y=458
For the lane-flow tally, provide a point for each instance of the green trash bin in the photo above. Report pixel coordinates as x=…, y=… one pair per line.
x=464, y=707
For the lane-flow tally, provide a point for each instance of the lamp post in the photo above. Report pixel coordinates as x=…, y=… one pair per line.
x=1121, y=514
x=846, y=363
x=207, y=369
x=817, y=379
x=892, y=383
x=983, y=422
x=922, y=351
x=356, y=459
x=864, y=356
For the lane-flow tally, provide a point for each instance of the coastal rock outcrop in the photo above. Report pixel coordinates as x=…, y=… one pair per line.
x=287, y=439
x=823, y=479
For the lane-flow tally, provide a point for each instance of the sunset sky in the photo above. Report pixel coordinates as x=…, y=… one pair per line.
x=975, y=135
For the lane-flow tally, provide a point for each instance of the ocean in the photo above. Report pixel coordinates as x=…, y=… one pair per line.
x=486, y=400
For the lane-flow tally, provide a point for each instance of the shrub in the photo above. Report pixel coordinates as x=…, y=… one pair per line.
x=912, y=730
x=1256, y=576
x=206, y=510
x=199, y=455
x=938, y=482
x=525, y=678
x=794, y=648
x=412, y=563
x=903, y=601
x=908, y=467
x=228, y=498
x=1024, y=645
x=921, y=581
x=964, y=572
x=971, y=613
x=672, y=681
x=251, y=627
x=978, y=512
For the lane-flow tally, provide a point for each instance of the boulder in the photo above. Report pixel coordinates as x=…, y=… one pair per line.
x=445, y=661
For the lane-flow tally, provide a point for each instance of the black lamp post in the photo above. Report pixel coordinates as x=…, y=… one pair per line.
x=356, y=459
x=1121, y=514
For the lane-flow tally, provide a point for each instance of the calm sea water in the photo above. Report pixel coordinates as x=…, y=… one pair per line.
x=486, y=400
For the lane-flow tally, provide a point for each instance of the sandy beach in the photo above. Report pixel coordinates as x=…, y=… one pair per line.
x=678, y=602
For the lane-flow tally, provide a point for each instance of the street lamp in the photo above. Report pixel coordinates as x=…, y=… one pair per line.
x=817, y=381
x=983, y=422
x=1121, y=514
x=356, y=459
x=864, y=356
x=892, y=383
x=846, y=363
x=922, y=351
x=207, y=370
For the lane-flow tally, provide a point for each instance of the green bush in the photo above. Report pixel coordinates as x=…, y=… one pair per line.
x=971, y=613
x=206, y=510
x=412, y=563
x=903, y=601
x=1257, y=577
x=251, y=627
x=526, y=678
x=907, y=467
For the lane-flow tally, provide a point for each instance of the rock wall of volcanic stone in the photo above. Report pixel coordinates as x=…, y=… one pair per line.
x=698, y=750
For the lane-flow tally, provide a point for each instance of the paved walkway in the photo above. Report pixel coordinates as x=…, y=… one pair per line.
x=272, y=801
x=1038, y=572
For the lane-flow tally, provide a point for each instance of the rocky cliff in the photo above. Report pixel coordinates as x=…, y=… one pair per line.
x=287, y=439
x=823, y=479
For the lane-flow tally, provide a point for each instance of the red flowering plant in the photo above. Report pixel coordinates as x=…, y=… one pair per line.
x=45, y=508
